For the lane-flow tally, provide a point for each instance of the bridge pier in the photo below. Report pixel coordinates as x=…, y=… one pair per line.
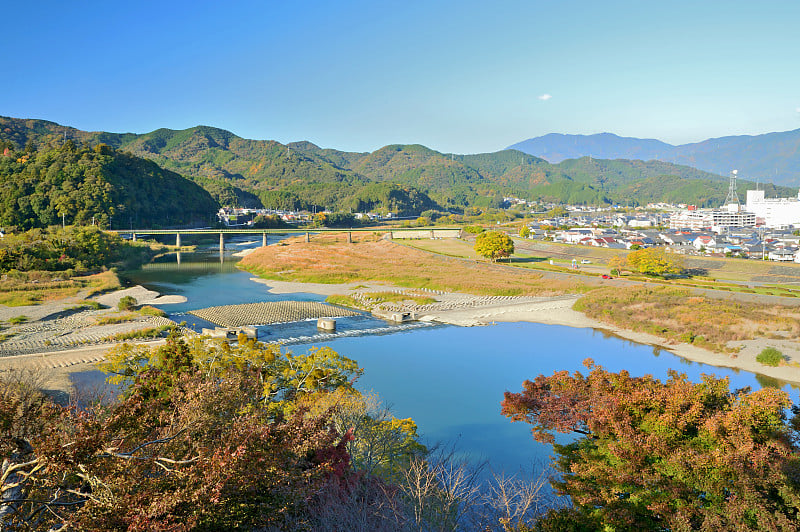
x=263, y=240
x=349, y=238
x=133, y=237
x=308, y=238
x=221, y=244
x=177, y=240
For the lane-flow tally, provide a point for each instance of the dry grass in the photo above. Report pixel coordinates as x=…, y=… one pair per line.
x=451, y=246
x=329, y=260
x=674, y=314
x=383, y=297
x=100, y=282
x=33, y=288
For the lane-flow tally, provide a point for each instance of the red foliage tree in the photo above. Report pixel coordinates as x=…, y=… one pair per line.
x=670, y=455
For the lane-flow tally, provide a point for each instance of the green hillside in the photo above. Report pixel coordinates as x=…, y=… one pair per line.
x=412, y=178
x=100, y=185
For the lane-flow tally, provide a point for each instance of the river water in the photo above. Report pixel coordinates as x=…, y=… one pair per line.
x=449, y=379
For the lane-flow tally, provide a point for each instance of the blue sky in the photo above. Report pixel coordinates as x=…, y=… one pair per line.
x=462, y=77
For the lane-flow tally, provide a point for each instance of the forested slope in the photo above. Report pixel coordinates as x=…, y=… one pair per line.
x=406, y=179
x=99, y=185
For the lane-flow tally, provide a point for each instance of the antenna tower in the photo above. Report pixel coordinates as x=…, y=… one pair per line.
x=733, y=197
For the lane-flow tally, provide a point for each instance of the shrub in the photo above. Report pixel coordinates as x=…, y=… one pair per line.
x=474, y=229
x=770, y=357
x=147, y=310
x=17, y=320
x=126, y=303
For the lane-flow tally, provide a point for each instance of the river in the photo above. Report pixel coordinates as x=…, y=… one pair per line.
x=449, y=379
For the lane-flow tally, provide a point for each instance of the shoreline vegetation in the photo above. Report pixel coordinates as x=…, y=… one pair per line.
x=718, y=332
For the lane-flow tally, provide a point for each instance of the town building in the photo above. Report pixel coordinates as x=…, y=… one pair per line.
x=774, y=212
x=716, y=219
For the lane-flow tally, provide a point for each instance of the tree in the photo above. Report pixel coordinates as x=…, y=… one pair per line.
x=525, y=231
x=656, y=262
x=191, y=444
x=494, y=245
x=616, y=264
x=381, y=444
x=670, y=455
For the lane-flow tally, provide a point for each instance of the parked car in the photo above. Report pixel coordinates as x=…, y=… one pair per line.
x=586, y=261
x=606, y=276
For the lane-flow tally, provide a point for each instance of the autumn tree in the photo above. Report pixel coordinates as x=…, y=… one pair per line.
x=524, y=231
x=616, y=264
x=671, y=455
x=655, y=261
x=194, y=443
x=494, y=245
x=381, y=444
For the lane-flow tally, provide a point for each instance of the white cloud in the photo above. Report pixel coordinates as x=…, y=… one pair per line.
x=798, y=109
x=545, y=97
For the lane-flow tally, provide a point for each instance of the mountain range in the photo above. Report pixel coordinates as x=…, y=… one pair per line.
x=406, y=179
x=771, y=157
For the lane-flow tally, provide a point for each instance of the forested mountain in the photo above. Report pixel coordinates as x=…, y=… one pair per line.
x=772, y=157
x=100, y=185
x=407, y=179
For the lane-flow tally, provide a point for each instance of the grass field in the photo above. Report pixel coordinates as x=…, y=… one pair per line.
x=325, y=260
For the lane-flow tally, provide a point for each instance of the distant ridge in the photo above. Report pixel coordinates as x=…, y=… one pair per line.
x=770, y=157
x=556, y=147
x=407, y=179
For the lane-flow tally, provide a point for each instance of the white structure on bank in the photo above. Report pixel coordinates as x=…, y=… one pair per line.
x=716, y=220
x=776, y=213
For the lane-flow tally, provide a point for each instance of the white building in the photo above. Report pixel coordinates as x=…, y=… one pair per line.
x=640, y=223
x=776, y=212
x=717, y=219
x=694, y=220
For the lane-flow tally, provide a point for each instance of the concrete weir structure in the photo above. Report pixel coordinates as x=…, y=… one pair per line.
x=270, y=312
x=230, y=333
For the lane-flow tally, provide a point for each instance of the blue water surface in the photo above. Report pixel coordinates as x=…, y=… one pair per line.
x=449, y=379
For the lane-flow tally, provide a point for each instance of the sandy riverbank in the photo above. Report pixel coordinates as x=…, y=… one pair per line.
x=558, y=311
x=62, y=337
x=54, y=368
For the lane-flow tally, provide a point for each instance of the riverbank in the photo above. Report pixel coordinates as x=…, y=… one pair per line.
x=559, y=311
x=56, y=338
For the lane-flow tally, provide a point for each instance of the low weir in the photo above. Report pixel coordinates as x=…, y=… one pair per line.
x=270, y=312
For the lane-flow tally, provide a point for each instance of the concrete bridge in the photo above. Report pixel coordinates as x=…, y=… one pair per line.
x=419, y=232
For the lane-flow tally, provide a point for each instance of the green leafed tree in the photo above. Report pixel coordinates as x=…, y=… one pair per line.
x=494, y=245
x=672, y=455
